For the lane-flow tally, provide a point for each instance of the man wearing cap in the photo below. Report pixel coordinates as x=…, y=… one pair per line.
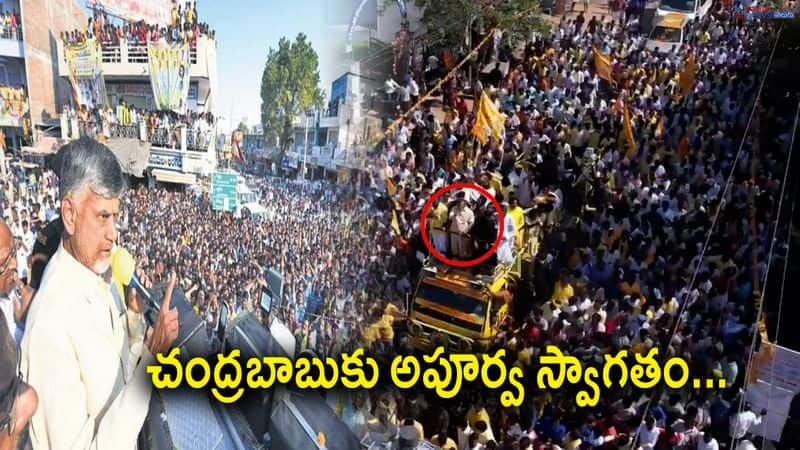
x=80, y=339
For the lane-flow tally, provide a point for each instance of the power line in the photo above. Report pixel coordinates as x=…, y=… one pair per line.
x=701, y=256
x=769, y=263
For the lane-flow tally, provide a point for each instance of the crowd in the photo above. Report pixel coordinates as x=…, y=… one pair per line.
x=623, y=258
x=183, y=27
x=157, y=127
x=10, y=25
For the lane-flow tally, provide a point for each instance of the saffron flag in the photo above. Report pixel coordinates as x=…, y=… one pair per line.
x=765, y=353
x=628, y=131
x=489, y=117
x=687, y=75
x=602, y=65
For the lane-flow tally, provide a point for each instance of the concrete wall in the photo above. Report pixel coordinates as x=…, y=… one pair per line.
x=42, y=22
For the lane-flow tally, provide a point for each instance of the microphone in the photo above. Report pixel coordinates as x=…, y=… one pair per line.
x=123, y=272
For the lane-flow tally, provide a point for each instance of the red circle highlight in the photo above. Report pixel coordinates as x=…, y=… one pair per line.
x=427, y=241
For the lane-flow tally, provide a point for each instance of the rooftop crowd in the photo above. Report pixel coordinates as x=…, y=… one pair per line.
x=622, y=258
x=184, y=26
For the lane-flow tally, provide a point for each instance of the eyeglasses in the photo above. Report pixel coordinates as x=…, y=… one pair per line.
x=6, y=262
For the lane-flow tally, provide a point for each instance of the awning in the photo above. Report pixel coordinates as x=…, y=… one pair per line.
x=168, y=176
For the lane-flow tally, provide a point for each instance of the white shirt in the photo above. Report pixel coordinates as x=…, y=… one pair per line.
x=648, y=438
x=77, y=351
x=711, y=445
x=742, y=422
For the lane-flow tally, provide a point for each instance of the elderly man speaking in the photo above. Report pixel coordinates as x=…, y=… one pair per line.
x=79, y=347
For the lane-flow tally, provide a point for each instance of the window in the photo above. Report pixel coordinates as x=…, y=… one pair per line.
x=678, y=5
x=666, y=34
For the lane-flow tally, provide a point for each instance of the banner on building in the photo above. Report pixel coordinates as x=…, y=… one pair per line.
x=169, y=75
x=13, y=106
x=151, y=11
x=85, y=66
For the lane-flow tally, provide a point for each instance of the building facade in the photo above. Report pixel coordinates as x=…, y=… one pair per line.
x=159, y=145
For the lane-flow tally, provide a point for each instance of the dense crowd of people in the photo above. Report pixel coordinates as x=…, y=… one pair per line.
x=184, y=26
x=623, y=258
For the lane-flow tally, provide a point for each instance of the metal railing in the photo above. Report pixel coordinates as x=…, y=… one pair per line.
x=178, y=138
x=14, y=34
x=130, y=52
x=197, y=141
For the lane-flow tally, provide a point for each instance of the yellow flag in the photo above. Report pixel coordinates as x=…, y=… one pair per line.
x=687, y=75
x=764, y=355
x=628, y=131
x=479, y=129
x=395, y=222
x=488, y=117
x=602, y=65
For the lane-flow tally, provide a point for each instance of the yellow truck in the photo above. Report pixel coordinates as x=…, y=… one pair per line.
x=459, y=308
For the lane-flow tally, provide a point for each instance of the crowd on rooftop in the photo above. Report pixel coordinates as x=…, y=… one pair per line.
x=184, y=26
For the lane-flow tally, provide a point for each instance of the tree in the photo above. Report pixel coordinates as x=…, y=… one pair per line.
x=447, y=21
x=289, y=86
x=243, y=127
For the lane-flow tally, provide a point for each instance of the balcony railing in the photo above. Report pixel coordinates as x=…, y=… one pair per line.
x=133, y=53
x=179, y=138
x=14, y=34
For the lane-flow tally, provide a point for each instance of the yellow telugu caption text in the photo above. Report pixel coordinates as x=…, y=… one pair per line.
x=440, y=372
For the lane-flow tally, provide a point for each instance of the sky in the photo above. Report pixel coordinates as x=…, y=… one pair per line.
x=245, y=30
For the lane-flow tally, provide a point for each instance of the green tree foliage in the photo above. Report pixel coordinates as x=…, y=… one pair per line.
x=289, y=86
x=447, y=21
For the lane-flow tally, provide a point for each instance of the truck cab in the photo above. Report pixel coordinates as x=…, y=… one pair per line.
x=669, y=33
x=458, y=308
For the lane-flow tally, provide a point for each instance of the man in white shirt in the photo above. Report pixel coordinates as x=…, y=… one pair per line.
x=743, y=421
x=80, y=343
x=648, y=433
x=707, y=442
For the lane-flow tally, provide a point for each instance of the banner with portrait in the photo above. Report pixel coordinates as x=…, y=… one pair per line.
x=169, y=75
x=13, y=106
x=85, y=66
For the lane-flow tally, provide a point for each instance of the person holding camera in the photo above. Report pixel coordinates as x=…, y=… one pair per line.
x=79, y=341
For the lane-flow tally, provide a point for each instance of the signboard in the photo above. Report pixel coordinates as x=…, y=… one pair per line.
x=223, y=191
x=338, y=91
x=778, y=383
x=166, y=161
x=150, y=11
x=290, y=160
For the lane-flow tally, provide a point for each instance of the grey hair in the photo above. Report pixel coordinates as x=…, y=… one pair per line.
x=86, y=163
